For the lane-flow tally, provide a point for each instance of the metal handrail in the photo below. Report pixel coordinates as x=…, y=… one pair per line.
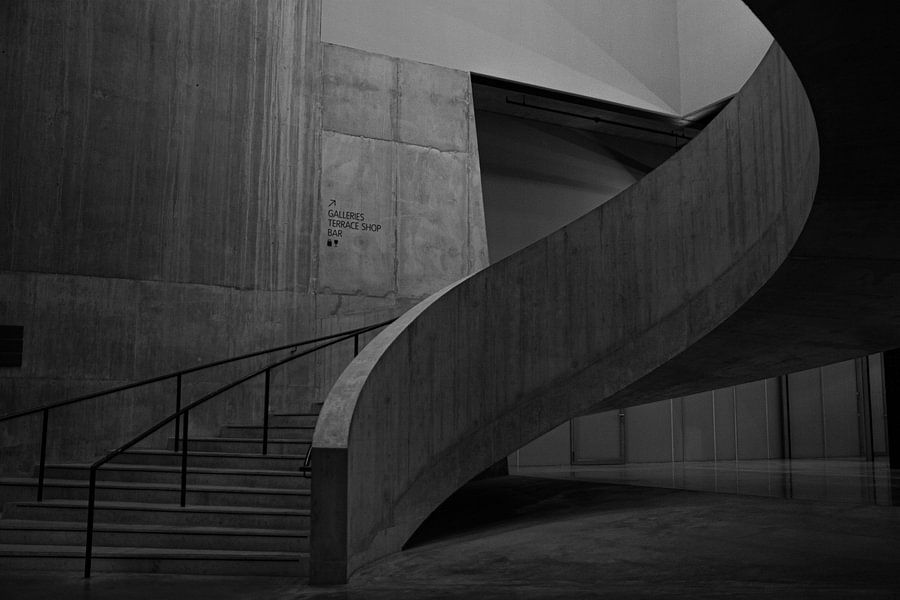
x=305, y=470
x=186, y=372
x=178, y=375
x=184, y=412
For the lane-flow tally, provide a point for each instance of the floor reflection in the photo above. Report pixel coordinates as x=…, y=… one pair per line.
x=853, y=481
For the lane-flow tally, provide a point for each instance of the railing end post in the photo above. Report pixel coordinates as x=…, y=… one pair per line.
x=43, y=462
x=184, y=455
x=177, y=408
x=89, y=530
x=265, y=432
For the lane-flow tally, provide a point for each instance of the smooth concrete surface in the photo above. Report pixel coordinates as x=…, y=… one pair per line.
x=433, y=216
x=526, y=537
x=416, y=180
x=400, y=153
x=433, y=106
x=360, y=91
x=481, y=368
x=356, y=175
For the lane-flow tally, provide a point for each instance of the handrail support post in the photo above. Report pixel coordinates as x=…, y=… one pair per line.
x=265, y=432
x=184, y=453
x=177, y=409
x=89, y=540
x=43, y=462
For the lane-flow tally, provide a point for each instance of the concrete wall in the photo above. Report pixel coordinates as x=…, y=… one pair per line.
x=159, y=141
x=162, y=170
x=399, y=212
x=159, y=169
x=400, y=162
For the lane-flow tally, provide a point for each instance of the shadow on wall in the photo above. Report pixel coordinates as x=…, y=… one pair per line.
x=537, y=177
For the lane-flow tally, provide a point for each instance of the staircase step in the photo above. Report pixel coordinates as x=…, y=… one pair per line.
x=247, y=513
x=161, y=514
x=243, y=445
x=287, y=432
x=294, y=419
x=292, y=479
x=55, y=533
x=160, y=493
x=153, y=560
x=224, y=460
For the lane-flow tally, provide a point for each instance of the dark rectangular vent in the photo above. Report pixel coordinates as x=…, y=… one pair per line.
x=11, y=337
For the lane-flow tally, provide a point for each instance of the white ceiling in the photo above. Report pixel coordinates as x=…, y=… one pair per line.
x=670, y=56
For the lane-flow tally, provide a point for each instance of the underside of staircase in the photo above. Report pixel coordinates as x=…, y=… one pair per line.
x=245, y=513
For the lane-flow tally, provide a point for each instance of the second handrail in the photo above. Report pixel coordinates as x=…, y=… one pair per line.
x=183, y=413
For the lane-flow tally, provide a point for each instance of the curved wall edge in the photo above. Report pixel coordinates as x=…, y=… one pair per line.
x=486, y=365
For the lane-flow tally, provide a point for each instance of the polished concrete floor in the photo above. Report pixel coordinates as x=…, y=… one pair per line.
x=565, y=537
x=838, y=480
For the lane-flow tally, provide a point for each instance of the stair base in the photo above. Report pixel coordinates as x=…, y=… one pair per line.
x=153, y=560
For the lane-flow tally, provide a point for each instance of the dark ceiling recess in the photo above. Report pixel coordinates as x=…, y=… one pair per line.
x=11, y=338
x=579, y=112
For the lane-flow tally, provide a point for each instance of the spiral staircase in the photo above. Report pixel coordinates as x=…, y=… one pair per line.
x=767, y=245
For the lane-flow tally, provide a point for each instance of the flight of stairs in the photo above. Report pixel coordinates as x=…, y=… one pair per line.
x=246, y=514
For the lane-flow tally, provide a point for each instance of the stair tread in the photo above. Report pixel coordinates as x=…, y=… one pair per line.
x=294, y=415
x=148, y=528
x=270, y=427
x=138, y=485
x=154, y=451
x=127, y=552
x=102, y=504
x=112, y=466
x=201, y=438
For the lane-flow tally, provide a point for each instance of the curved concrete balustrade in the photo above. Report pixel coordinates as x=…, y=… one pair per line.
x=837, y=296
x=715, y=269
x=486, y=365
